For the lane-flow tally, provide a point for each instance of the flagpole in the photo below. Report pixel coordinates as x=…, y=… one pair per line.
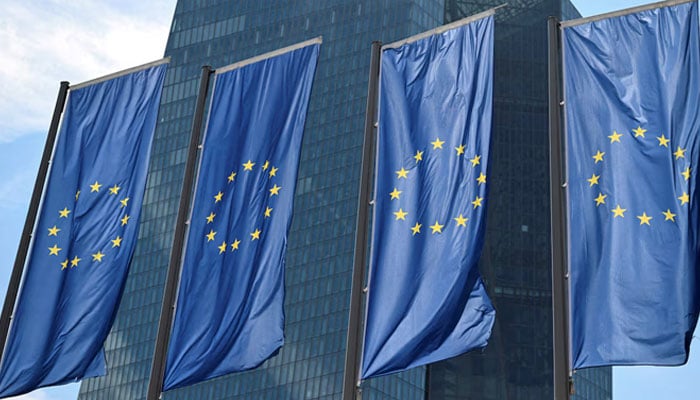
x=23, y=249
x=563, y=384
x=155, y=384
x=351, y=380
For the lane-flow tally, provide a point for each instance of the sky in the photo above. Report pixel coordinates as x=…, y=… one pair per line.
x=43, y=42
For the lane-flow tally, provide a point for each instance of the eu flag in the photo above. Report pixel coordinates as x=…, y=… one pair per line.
x=427, y=301
x=229, y=314
x=632, y=91
x=85, y=233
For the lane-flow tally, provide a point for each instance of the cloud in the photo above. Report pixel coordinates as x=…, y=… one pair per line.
x=44, y=42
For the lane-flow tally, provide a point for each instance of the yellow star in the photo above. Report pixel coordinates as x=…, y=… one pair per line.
x=669, y=215
x=662, y=140
x=54, y=231
x=273, y=171
x=600, y=199
x=114, y=189
x=63, y=213
x=210, y=235
x=477, y=202
x=210, y=218
x=418, y=156
x=598, y=156
x=53, y=251
x=125, y=220
x=437, y=228
x=255, y=235
x=117, y=242
x=644, y=219
x=615, y=137
x=232, y=176
x=639, y=132
x=475, y=161
x=266, y=165
x=98, y=256
x=234, y=245
x=593, y=180
x=437, y=144
x=268, y=212
x=77, y=194
x=460, y=149
x=481, y=179
x=74, y=262
x=218, y=197
x=686, y=173
x=64, y=264
x=402, y=173
x=461, y=221
x=680, y=153
x=275, y=190
x=401, y=214
x=222, y=248
x=248, y=166
x=618, y=212
x=416, y=228
x=95, y=187
x=684, y=198
x=395, y=193
x=124, y=202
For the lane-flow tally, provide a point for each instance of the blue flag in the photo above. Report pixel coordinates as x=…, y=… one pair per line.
x=632, y=91
x=427, y=301
x=229, y=314
x=85, y=234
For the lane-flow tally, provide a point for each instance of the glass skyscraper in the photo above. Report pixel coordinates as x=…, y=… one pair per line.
x=516, y=365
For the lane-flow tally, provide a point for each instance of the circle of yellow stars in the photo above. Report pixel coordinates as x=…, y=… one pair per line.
x=619, y=211
x=436, y=228
x=64, y=214
x=232, y=245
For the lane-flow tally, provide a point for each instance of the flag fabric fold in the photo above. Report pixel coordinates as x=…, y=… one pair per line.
x=85, y=234
x=426, y=299
x=632, y=96
x=229, y=314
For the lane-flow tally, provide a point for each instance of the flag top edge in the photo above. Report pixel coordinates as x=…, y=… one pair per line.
x=123, y=72
x=621, y=13
x=265, y=56
x=445, y=28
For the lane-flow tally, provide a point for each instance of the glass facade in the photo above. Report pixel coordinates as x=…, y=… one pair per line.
x=515, y=263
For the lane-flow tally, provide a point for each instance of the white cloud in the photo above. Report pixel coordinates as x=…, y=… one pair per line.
x=44, y=42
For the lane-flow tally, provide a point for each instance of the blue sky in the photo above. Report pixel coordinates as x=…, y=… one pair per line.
x=43, y=42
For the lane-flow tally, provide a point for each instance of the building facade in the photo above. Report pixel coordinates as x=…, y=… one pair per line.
x=516, y=365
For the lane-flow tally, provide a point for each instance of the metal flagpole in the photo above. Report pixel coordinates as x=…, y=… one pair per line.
x=23, y=249
x=155, y=384
x=351, y=382
x=563, y=384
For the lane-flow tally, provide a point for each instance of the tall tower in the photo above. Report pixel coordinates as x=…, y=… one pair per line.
x=515, y=263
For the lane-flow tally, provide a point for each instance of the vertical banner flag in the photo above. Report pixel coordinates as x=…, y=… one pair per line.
x=632, y=91
x=427, y=301
x=85, y=233
x=229, y=314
